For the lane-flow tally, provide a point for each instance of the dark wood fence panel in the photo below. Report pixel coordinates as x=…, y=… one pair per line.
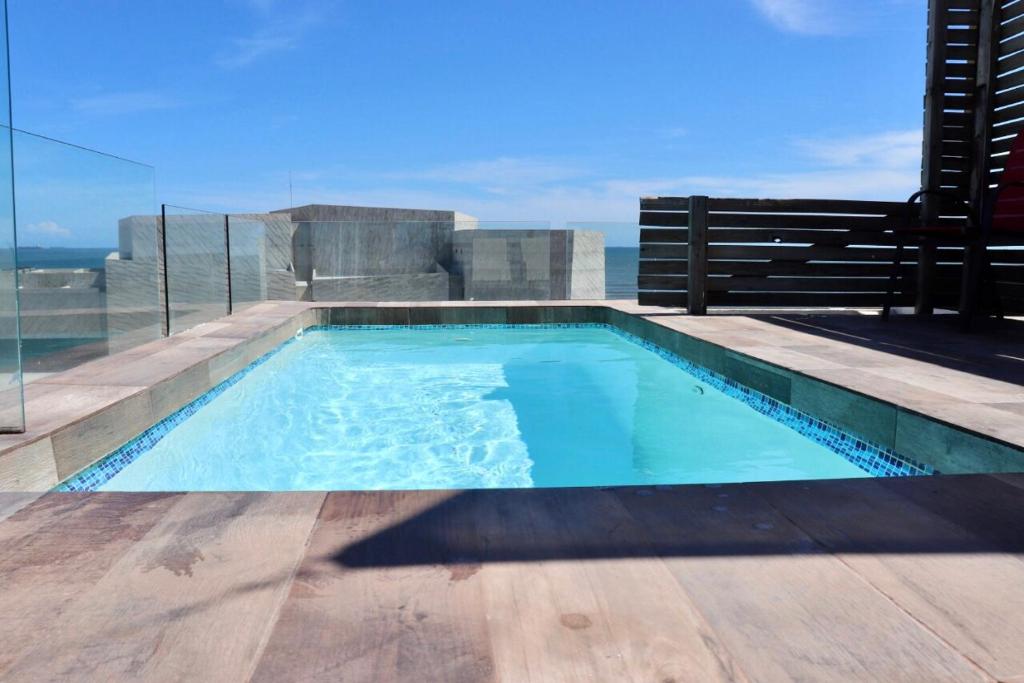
x=770, y=252
x=804, y=252
x=664, y=248
x=797, y=252
x=949, y=121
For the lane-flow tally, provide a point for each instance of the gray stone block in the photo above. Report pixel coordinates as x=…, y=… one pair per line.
x=409, y=287
x=503, y=265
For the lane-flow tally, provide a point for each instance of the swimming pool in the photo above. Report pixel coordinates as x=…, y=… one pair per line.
x=434, y=407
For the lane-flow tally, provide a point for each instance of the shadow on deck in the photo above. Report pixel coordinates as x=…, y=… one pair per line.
x=961, y=514
x=993, y=349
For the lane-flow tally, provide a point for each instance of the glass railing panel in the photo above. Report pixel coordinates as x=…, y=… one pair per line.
x=12, y=413
x=374, y=260
x=195, y=244
x=618, y=243
x=248, y=251
x=87, y=254
x=443, y=260
x=513, y=261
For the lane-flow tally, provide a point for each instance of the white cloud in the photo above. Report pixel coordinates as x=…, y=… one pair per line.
x=245, y=51
x=884, y=166
x=812, y=17
x=891, y=149
x=836, y=17
x=48, y=228
x=880, y=184
x=278, y=36
x=133, y=102
x=502, y=172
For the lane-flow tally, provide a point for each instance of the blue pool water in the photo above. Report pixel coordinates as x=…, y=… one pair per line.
x=474, y=407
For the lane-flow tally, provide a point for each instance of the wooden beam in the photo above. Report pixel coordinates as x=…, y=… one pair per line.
x=931, y=162
x=697, y=259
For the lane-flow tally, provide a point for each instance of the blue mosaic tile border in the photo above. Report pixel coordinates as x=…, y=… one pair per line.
x=876, y=460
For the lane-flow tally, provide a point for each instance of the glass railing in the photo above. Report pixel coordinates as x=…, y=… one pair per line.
x=195, y=245
x=621, y=254
x=100, y=272
x=88, y=280
x=12, y=413
x=442, y=260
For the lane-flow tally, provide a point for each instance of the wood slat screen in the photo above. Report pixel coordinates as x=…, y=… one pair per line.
x=805, y=253
x=1006, y=104
x=949, y=121
x=799, y=252
x=766, y=252
x=664, y=223
x=838, y=253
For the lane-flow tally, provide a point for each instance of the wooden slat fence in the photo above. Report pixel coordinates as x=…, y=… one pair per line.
x=838, y=253
x=664, y=251
x=762, y=252
x=950, y=93
x=974, y=97
x=698, y=251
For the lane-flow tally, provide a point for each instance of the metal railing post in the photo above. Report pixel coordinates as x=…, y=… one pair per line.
x=227, y=255
x=163, y=261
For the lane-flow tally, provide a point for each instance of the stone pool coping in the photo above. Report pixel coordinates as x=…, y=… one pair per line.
x=76, y=417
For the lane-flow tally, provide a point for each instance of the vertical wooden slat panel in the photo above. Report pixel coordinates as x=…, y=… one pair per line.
x=661, y=280
x=984, y=96
x=696, y=281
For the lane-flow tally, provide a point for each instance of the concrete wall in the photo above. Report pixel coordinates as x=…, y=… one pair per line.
x=586, y=279
x=348, y=241
x=407, y=287
x=494, y=265
x=389, y=248
x=356, y=253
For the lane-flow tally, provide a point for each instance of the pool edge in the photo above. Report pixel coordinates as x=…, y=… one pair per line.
x=43, y=457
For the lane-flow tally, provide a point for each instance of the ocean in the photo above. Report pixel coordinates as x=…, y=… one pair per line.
x=620, y=264
x=63, y=257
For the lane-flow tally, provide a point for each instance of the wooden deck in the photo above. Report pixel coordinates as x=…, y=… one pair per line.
x=874, y=580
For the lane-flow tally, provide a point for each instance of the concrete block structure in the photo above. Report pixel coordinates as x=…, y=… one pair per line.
x=314, y=252
x=529, y=264
x=360, y=253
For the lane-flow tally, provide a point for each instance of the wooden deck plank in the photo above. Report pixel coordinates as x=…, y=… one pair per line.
x=544, y=622
x=369, y=615
x=193, y=599
x=867, y=579
x=560, y=610
x=56, y=548
x=959, y=585
x=658, y=631
x=988, y=507
x=784, y=607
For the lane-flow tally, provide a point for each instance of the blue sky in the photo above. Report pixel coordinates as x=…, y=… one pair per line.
x=528, y=110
